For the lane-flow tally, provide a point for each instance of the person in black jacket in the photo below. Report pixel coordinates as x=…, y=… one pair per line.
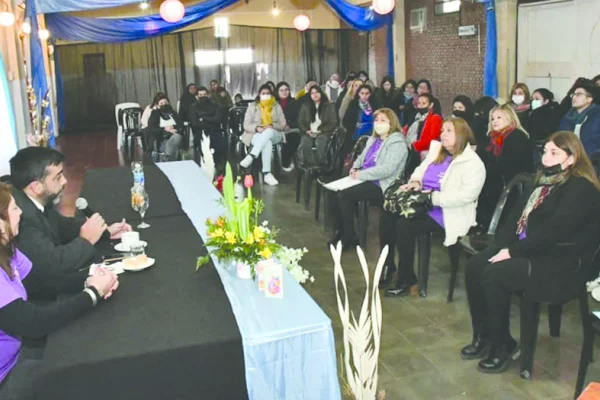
x=21, y=319
x=508, y=153
x=291, y=110
x=565, y=104
x=188, y=98
x=481, y=119
x=164, y=128
x=388, y=95
x=543, y=251
x=206, y=117
x=462, y=107
x=59, y=247
x=423, y=86
x=543, y=120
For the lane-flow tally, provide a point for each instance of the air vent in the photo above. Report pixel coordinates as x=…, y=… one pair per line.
x=417, y=19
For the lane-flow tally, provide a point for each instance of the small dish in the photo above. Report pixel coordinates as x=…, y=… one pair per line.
x=122, y=248
x=142, y=267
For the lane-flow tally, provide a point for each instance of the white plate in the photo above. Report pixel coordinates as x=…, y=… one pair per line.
x=121, y=247
x=150, y=263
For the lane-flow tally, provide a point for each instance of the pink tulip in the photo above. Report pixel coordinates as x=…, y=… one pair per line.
x=248, y=181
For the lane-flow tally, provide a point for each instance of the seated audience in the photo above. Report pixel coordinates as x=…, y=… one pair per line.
x=409, y=92
x=304, y=91
x=462, y=107
x=20, y=318
x=188, y=98
x=363, y=76
x=423, y=87
x=271, y=84
x=388, y=96
x=59, y=247
x=223, y=99
x=426, y=127
x=566, y=103
x=508, y=153
x=544, y=117
x=332, y=88
x=291, y=110
x=584, y=116
x=358, y=120
x=317, y=122
x=454, y=175
x=238, y=99
x=520, y=101
x=380, y=163
x=481, y=119
x=350, y=94
x=264, y=124
x=539, y=251
x=164, y=129
x=205, y=117
x=350, y=77
x=149, y=108
x=596, y=80
x=214, y=93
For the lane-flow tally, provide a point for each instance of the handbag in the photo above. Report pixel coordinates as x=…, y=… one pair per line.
x=409, y=204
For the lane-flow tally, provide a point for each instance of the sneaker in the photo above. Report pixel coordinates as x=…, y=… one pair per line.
x=288, y=169
x=270, y=180
x=247, y=161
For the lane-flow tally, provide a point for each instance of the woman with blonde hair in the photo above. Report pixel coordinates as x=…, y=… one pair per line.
x=508, y=153
x=349, y=96
x=453, y=175
x=543, y=250
x=520, y=101
x=380, y=163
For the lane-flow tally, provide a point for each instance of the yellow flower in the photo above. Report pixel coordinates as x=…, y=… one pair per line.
x=250, y=239
x=230, y=237
x=258, y=233
x=209, y=221
x=217, y=233
x=265, y=253
x=221, y=222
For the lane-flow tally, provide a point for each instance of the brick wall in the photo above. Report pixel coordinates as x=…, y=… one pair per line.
x=453, y=65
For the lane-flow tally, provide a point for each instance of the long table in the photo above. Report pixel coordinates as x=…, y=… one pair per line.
x=287, y=344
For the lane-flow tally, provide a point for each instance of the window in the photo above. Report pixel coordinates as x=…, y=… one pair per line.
x=210, y=58
x=238, y=56
x=443, y=7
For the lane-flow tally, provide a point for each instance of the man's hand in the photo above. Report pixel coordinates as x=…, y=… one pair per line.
x=119, y=228
x=502, y=255
x=93, y=228
x=104, y=281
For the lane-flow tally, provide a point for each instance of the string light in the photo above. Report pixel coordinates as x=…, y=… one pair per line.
x=275, y=11
x=26, y=27
x=144, y=5
x=44, y=34
x=6, y=17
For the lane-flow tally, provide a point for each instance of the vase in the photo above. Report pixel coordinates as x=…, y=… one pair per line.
x=243, y=270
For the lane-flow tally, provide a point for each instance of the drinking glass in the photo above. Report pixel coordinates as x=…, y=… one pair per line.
x=140, y=203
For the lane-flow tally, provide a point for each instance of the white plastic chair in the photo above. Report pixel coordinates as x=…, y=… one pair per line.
x=119, y=107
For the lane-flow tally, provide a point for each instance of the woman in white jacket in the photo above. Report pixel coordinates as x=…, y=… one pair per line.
x=454, y=174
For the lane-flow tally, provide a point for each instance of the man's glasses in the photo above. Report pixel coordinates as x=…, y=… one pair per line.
x=579, y=94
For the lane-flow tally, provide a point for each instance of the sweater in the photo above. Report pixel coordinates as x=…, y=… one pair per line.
x=391, y=160
x=460, y=188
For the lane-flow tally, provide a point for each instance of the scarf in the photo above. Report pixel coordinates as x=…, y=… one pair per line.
x=577, y=118
x=332, y=92
x=266, y=111
x=284, y=102
x=545, y=185
x=413, y=131
x=365, y=106
x=497, y=141
x=521, y=107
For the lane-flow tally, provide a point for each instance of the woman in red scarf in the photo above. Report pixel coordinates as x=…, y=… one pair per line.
x=508, y=153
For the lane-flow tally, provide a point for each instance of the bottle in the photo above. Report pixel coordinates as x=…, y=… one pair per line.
x=137, y=168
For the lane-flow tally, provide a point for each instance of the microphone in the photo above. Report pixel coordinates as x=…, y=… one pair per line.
x=83, y=206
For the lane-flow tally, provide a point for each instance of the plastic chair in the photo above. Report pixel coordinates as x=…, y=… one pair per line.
x=118, y=108
x=591, y=329
x=130, y=124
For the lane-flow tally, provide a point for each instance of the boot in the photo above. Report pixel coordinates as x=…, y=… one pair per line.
x=499, y=358
x=478, y=348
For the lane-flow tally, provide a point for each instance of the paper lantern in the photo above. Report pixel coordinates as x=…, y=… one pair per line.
x=302, y=22
x=384, y=6
x=172, y=11
x=7, y=18
x=44, y=34
x=26, y=27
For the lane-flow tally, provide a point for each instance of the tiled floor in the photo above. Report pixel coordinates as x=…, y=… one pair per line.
x=421, y=338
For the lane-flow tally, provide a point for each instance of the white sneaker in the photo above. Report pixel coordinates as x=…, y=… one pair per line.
x=247, y=161
x=289, y=169
x=270, y=180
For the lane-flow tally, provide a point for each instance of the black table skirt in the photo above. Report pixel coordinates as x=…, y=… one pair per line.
x=168, y=333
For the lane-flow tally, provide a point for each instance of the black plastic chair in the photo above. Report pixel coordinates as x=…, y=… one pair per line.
x=130, y=119
x=591, y=329
x=521, y=185
x=235, y=128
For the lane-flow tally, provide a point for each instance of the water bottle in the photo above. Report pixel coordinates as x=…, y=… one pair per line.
x=137, y=168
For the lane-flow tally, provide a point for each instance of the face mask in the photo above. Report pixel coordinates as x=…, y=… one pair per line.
x=407, y=95
x=381, y=128
x=536, y=104
x=165, y=108
x=460, y=114
x=423, y=110
x=518, y=99
x=553, y=170
x=334, y=84
x=265, y=97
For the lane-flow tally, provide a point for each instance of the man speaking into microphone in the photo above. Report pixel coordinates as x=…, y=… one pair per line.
x=59, y=247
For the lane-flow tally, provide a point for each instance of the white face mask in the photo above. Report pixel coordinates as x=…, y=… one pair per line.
x=381, y=128
x=265, y=97
x=518, y=99
x=334, y=84
x=536, y=104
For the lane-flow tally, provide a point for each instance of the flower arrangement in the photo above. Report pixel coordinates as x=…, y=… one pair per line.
x=290, y=259
x=39, y=116
x=239, y=236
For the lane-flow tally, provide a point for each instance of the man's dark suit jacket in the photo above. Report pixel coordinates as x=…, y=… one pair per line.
x=52, y=243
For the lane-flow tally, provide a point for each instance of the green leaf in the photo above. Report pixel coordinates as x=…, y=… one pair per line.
x=201, y=261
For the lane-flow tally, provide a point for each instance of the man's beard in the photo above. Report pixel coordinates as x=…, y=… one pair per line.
x=52, y=198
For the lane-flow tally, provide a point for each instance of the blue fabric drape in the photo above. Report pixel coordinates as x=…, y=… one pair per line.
x=390, y=48
x=54, y=6
x=38, y=70
x=4, y=91
x=490, y=76
x=360, y=18
x=59, y=95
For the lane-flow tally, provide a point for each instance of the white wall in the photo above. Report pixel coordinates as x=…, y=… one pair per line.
x=558, y=42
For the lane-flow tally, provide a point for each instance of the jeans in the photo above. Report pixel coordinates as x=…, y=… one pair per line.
x=489, y=287
x=262, y=143
x=171, y=146
x=347, y=201
x=401, y=233
x=19, y=384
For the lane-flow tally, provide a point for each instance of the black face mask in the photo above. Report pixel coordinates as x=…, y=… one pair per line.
x=166, y=108
x=460, y=114
x=423, y=110
x=553, y=170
